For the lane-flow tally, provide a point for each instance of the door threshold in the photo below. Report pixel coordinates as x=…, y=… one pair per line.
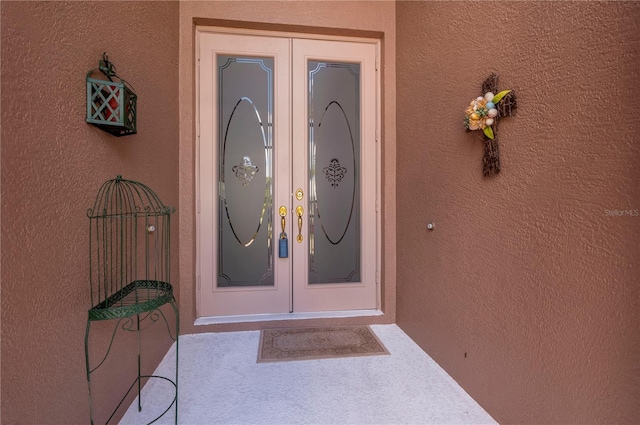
x=214, y=320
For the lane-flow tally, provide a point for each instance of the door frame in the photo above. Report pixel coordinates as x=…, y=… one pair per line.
x=203, y=320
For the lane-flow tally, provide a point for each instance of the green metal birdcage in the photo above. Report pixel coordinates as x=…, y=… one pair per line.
x=129, y=272
x=111, y=105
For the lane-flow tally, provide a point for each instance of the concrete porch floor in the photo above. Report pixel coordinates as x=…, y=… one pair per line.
x=221, y=383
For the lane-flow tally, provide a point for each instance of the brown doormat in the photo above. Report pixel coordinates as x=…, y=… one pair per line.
x=278, y=345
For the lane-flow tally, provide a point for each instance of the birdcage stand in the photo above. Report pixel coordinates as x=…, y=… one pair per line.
x=130, y=280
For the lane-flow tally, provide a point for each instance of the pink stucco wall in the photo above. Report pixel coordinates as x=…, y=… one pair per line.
x=52, y=166
x=527, y=291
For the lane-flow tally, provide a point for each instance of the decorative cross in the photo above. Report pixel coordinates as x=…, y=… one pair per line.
x=506, y=108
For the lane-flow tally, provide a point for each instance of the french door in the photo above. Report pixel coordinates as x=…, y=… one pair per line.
x=286, y=178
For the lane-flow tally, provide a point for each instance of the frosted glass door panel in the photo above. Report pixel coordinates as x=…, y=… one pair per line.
x=334, y=158
x=245, y=171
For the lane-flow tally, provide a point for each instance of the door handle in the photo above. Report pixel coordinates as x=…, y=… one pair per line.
x=283, y=241
x=299, y=212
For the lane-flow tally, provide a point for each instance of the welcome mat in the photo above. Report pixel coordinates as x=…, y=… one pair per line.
x=278, y=345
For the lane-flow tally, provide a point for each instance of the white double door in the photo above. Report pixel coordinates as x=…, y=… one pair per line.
x=286, y=175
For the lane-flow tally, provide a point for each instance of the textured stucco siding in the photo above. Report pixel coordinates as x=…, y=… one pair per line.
x=527, y=290
x=53, y=164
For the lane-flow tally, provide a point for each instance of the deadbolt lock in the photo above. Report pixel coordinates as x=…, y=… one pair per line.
x=299, y=194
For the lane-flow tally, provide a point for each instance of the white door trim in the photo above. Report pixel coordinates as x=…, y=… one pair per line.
x=284, y=34
x=252, y=318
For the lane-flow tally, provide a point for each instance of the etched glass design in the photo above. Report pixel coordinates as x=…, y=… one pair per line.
x=334, y=172
x=245, y=171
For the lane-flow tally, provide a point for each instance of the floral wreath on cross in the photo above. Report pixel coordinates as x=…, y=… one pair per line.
x=482, y=112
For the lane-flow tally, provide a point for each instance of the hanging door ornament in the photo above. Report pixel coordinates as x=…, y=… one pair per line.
x=483, y=113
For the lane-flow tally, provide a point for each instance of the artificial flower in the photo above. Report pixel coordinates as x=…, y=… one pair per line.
x=482, y=112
